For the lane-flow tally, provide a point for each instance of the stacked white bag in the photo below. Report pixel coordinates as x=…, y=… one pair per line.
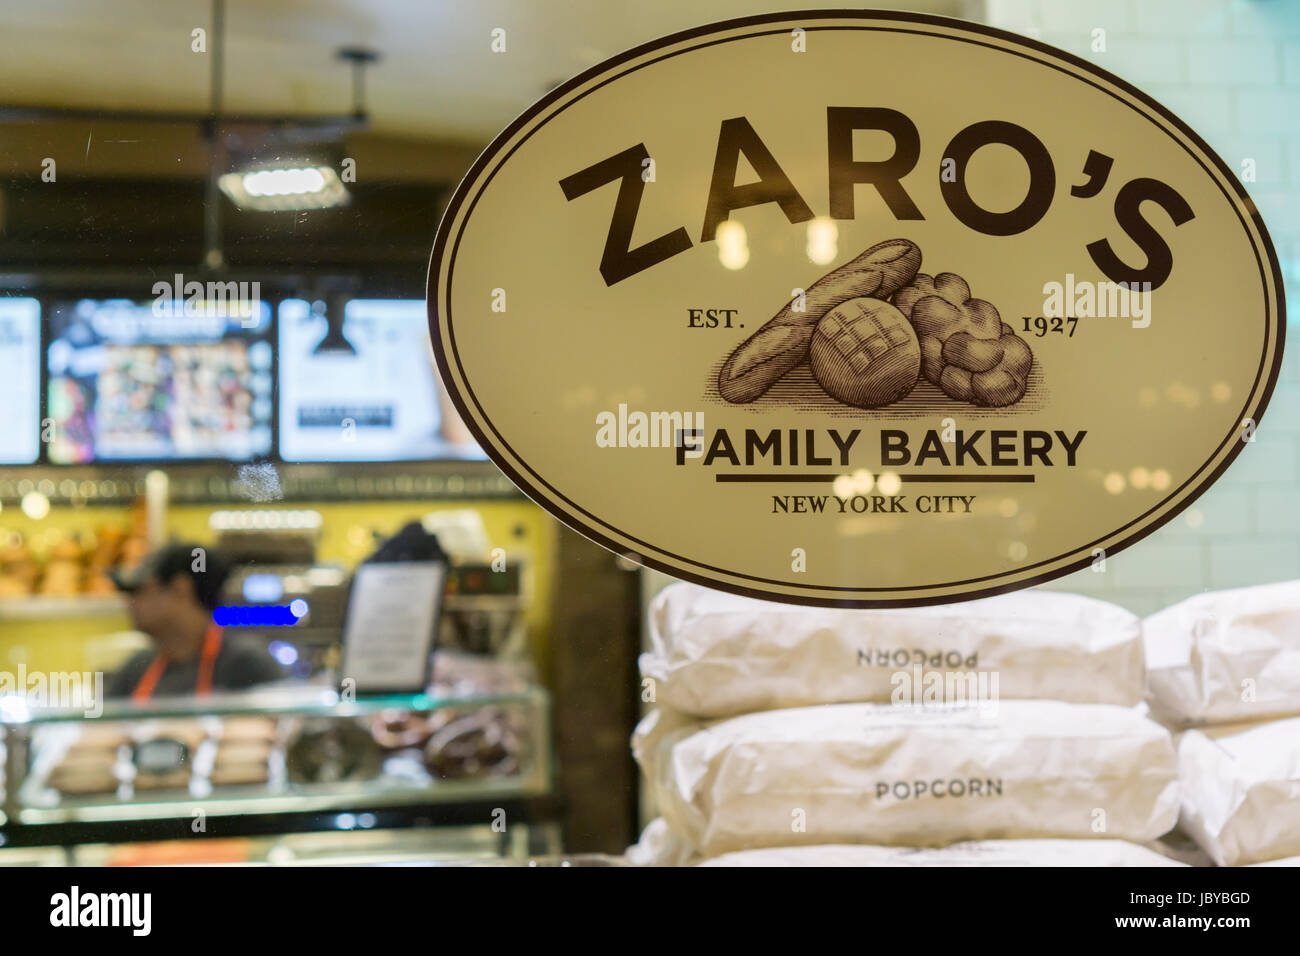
x=1227, y=663
x=782, y=726
x=714, y=654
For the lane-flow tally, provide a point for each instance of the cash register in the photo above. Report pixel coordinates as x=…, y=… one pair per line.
x=281, y=594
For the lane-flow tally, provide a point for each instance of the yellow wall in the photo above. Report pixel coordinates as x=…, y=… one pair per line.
x=61, y=644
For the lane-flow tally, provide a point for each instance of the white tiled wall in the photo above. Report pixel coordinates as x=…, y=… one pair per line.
x=1231, y=70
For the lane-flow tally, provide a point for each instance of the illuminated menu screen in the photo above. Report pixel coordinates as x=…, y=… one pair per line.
x=363, y=386
x=167, y=381
x=20, y=388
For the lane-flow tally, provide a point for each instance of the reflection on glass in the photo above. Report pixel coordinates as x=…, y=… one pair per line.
x=733, y=246
x=35, y=505
x=823, y=240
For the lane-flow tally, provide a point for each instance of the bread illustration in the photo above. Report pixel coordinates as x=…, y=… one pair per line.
x=871, y=328
x=865, y=353
x=966, y=348
x=783, y=341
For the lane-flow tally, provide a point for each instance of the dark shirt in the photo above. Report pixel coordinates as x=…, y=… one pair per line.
x=242, y=663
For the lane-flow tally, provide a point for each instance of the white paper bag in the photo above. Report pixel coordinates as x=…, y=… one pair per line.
x=1226, y=655
x=658, y=846
x=1241, y=790
x=716, y=655
x=884, y=774
x=977, y=853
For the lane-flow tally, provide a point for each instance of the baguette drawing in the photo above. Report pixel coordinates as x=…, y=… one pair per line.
x=783, y=341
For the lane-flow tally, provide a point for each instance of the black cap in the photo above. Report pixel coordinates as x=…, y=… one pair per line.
x=206, y=567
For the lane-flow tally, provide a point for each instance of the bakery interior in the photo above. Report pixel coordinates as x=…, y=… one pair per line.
x=315, y=428
x=302, y=155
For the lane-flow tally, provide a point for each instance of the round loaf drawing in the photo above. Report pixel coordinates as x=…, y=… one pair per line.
x=865, y=353
x=783, y=341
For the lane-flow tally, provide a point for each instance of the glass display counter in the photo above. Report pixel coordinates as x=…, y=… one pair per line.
x=275, y=761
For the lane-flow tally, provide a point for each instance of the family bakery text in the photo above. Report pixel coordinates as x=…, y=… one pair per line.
x=891, y=447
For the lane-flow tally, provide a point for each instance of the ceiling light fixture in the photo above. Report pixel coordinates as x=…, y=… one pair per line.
x=285, y=188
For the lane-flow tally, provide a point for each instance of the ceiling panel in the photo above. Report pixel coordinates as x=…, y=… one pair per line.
x=438, y=75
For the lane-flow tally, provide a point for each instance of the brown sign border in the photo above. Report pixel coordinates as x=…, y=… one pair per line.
x=471, y=187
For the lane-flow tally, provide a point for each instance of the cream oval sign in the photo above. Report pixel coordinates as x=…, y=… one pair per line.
x=856, y=309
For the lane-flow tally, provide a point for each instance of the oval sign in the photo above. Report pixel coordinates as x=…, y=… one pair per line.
x=863, y=310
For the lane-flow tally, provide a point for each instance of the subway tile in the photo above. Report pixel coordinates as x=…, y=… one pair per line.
x=1259, y=559
x=1265, y=461
x=1224, y=509
x=1071, y=16
x=1172, y=596
x=1148, y=565
x=1163, y=17
x=1268, y=152
x=1011, y=14
x=1286, y=396
x=1140, y=601
x=1184, y=527
x=1293, y=160
x=1268, y=110
x=1290, y=362
x=1291, y=62
x=1209, y=111
x=1142, y=59
x=1251, y=61
x=1282, y=417
x=1277, y=205
x=1264, y=17
x=1278, y=510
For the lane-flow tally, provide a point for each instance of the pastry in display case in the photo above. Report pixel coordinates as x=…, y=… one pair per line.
x=487, y=742
x=19, y=571
x=75, y=564
x=63, y=569
x=162, y=756
x=328, y=751
x=455, y=743
x=278, y=752
x=91, y=772
x=244, y=752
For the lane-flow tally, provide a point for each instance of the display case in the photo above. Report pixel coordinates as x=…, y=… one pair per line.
x=283, y=760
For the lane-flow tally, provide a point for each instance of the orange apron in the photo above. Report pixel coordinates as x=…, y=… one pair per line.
x=207, y=660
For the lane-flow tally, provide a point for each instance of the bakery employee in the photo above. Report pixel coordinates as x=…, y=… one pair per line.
x=173, y=603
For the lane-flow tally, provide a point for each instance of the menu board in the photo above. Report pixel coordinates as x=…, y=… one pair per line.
x=362, y=386
x=131, y=381
x=20, y=327
x=392, y=617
